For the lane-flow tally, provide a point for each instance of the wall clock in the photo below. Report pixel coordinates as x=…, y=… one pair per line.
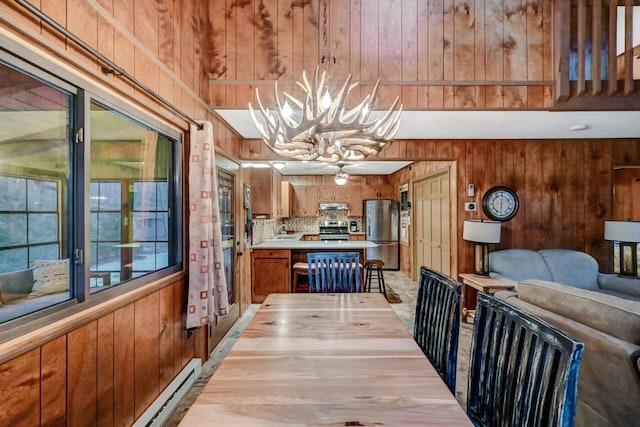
x=500, y=203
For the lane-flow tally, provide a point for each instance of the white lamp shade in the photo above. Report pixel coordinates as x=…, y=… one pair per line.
x=622, y=231
x=482, y=231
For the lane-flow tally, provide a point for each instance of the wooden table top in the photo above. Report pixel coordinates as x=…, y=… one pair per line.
x=325, y=359
x=485, y=283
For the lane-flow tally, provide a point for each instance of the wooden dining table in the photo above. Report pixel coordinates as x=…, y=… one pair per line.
x=325, y=360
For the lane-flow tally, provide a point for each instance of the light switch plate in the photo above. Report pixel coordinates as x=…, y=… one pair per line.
x=471, y=191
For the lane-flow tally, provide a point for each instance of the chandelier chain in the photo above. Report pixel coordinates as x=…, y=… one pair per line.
x=327, y=58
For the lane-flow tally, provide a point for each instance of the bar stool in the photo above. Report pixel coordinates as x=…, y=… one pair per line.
x=370, y=266
x=299, y=268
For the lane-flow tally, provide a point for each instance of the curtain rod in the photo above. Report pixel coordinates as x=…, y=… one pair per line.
x=112, y=67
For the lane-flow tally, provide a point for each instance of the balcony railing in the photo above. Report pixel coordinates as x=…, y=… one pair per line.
x=596, y=54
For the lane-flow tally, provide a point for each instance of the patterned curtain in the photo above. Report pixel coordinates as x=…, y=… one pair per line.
x=207, y=283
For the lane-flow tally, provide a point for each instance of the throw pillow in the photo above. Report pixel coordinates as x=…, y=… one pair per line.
x=50, y=276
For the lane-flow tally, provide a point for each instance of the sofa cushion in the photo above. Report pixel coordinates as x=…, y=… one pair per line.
x=518, y=265
x=51, y=276
x=15, y=285
x=571, y=267
x=612, y=315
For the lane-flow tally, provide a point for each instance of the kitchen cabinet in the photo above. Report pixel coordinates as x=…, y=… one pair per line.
x=305, y=202
x=377, y=187
x=286, y=199
x=378, y=193
x=266, y=193
x=270, y=273
x=354, y=200
x=357, y=236
x=333, y=193
x=311, y=237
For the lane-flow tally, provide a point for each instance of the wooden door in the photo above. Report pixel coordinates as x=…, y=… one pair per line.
x=432, y=224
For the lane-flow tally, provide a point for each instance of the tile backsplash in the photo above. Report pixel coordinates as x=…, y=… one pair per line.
x=264, y=229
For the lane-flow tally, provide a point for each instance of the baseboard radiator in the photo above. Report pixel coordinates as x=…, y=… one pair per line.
x=161, y=408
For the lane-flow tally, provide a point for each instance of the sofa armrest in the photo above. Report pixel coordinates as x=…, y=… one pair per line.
x=623, y=285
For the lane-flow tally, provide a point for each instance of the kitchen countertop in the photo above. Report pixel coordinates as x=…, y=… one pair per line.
x=292, y=241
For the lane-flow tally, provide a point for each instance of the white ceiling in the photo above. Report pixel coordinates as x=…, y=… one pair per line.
x=468, y=125
x=372, y=167
x=491, y=124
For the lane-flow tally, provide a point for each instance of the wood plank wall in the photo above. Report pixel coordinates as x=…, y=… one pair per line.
x=106, y=371
x=434, y=54
x=565, y=188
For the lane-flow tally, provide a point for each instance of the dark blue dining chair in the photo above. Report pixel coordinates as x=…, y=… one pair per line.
x=437, y=322
x=524, y=371
x=334, y=271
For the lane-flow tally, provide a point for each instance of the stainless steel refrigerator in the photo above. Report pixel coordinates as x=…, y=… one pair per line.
x=381, y=219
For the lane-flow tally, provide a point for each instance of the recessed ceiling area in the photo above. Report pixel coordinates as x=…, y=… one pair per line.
x=295, y=167
x=491, y=124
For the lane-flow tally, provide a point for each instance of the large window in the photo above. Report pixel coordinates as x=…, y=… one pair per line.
x=124, y=195
x=131, y=172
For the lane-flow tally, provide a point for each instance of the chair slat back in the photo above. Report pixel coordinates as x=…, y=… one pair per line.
x=524, y=371
x=437, y=322
x=334, y=271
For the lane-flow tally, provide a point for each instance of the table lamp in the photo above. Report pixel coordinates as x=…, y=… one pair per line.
x=625, y=236
x=481, y=233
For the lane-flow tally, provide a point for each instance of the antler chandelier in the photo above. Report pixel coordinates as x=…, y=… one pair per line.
x=323, y=128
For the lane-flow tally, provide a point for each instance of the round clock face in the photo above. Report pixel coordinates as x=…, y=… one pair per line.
x=500, y=203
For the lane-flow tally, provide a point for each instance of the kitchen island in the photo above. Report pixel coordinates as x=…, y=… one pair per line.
x=272, y=261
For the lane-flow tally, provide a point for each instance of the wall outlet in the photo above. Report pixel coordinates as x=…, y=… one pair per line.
x=470, y=206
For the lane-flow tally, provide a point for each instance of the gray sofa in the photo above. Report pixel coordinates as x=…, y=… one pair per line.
x=565, y=266
x=609, y=326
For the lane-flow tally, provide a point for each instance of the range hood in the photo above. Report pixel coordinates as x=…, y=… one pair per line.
x=333, y=206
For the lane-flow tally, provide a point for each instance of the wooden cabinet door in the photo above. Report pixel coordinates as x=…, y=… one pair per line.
x=354, y=200
x=276, y=194
x=310, y=201
x=261, y=198
x=270, y=273
x=297, y=206
x=286, y=199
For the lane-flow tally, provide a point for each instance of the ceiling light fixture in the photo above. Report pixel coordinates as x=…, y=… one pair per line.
x=321, y=127
x=341, y=177
x=278, y=165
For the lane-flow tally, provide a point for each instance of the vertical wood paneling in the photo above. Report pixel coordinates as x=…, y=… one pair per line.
x=312, y=34
x=82, y=21
x=54, y=382
x=166, y=343
x=20, y=391
x=355, y=44
x=82, y=384
x=216, y=50
x=409, y=54
x=285, y=44
x=598, y=195
x=146, y=355
x=389, y=48
x=245, y=66
x=231, y=42
x=369, y=62
x=124, y=386
x=123, y=47
x=435, y=48
x=105, y=370
x=56, y=10
x=179, y=302
x=338, y=37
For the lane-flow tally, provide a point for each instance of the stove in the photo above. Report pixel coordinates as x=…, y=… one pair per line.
x=334, y=230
